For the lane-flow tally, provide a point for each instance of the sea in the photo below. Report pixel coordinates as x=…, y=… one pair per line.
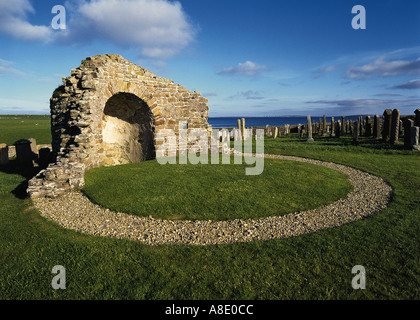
x=232, y=122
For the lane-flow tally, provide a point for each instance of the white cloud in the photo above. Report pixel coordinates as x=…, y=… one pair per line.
x=158, y=28
x=248, y=95
x=384, y=68
x=13, y=21
x=323, y=71
x=247, y=68
x=6, y=67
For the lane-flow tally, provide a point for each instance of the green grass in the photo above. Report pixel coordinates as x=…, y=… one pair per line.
x=314, y=266
x=16, y=127
x=216, y=192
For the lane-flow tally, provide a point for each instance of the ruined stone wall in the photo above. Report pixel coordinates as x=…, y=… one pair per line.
x=108, y=112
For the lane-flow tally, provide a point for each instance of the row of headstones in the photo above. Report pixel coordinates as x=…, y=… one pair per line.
x=367, y=127
x=273, y=131
x=393, y=128
x=27, y=153
x=390, y=129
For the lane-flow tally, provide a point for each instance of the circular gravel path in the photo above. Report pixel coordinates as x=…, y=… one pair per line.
x=74, y=211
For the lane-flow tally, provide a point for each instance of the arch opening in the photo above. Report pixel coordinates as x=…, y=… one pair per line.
x=127, y=130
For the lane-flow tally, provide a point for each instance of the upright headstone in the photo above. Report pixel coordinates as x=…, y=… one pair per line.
x=243, y=129
x=343, y=125
x=408, y=124
x=356, y=133
x=286, y=129
x=376, y=127
x=309, y=128
x=324, y=125
x=4, y=154
x=338, y=129
x=417, y=119
x=33, y=149
x=401, y=128
x=24, y=154
x=386, y=125
x=368, y=131
x=361, y=126
x=299, y=127
x=415, y=138
x=276, y=132
x=332, y=127
x=395, y=124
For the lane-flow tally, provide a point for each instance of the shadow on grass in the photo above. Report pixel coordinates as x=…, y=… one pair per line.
x=13, y=167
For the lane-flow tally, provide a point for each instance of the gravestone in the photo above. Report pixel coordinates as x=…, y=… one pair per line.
x=276, y=132
x=417, y=119
x=356, y=133
x=338, y=129
x=243, y=129
x=332, y=127
x=309, y=129
x=343, y=125
x=414, y=143
x=376, y=127
x=395, y=126
x=386, y=125
x=324, y=125
x=361, y=126
x=24, y=155
x=266, y=130
x=4, y=154
x=368, y=131
x=408, y=124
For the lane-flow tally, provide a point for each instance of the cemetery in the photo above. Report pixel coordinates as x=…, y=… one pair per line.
x=332, y=194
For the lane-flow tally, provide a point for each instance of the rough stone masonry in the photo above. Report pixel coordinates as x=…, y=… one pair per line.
x=109, y=112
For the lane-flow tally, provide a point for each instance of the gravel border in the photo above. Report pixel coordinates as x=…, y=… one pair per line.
x=75, y=211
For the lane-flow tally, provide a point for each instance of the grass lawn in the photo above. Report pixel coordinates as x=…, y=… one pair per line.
x=16, y=127
x=314, y=266
x=216, y=192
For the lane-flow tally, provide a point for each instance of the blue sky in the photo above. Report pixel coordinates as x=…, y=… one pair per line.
x=249, y=58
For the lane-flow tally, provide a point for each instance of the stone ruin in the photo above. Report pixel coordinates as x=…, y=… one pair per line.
x=110, y=112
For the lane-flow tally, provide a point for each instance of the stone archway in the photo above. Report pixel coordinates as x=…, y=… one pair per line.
x=110, y=111
x=127, y=130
